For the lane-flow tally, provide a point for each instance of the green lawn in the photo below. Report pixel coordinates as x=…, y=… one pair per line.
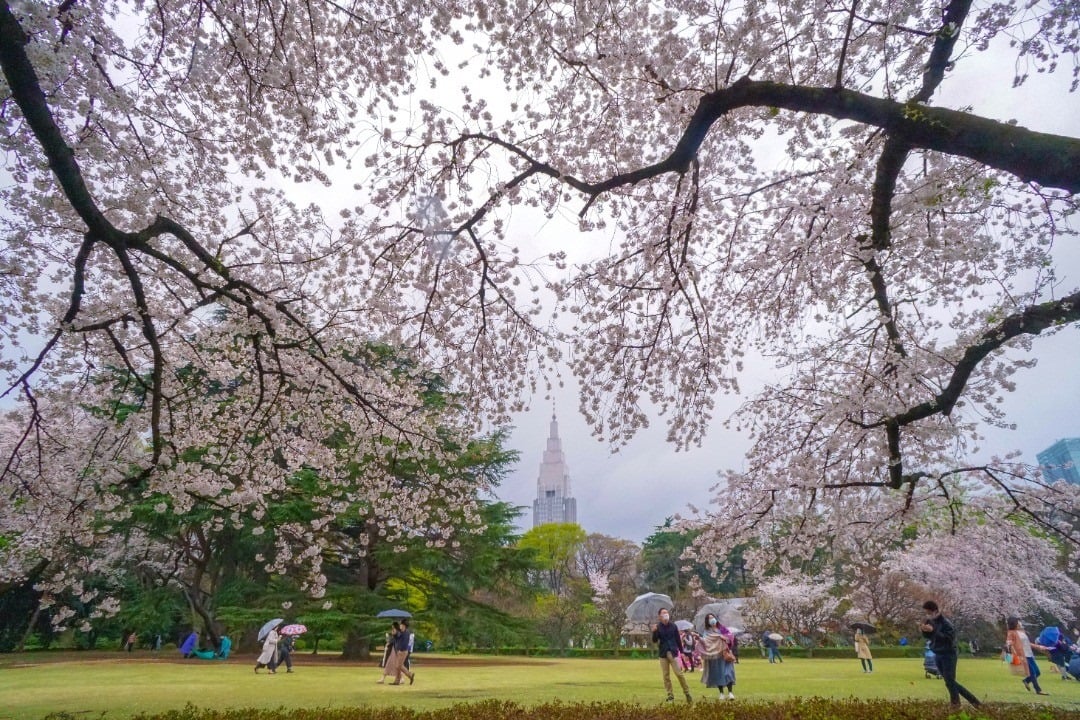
x=33, y=685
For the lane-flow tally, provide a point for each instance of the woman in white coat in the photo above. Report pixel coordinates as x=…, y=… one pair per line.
x=269, y=650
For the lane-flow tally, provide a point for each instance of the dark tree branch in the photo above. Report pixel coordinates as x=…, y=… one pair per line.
x=1030, y=321
x=1050, y=160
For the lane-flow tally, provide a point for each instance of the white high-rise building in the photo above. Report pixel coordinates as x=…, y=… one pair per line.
x=553, y=502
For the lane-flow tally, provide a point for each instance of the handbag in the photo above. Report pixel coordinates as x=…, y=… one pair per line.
x=1018, y=665
x=727, y=656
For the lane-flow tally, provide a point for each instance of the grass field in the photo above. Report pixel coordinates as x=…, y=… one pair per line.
x=117, y=686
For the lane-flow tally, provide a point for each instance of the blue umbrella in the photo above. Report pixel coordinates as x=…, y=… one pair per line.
x=394, y=613
x=268, y=627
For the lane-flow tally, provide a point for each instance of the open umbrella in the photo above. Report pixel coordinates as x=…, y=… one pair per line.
x=295, y=629
x=727, y=612
x=684, y=625
x=776, y=636
x=646, y=607
x=865, y=627
x=265, y=630
x=394, y=613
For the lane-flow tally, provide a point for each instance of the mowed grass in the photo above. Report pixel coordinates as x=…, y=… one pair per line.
x=33, y=685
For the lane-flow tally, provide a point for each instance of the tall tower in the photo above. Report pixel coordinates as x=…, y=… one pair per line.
x=553, y=503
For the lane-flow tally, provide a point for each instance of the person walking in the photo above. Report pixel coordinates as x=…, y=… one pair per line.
x=773, y=646
x=284, y=654
x=129, y=644
x=1022, y=647
x=389, y=664
x=942, y=636
x=412, y=639
x=269, y=651
x=401, y=654
x=718, y=669
x=388, y=647
x=666, y=636
x=862, y=651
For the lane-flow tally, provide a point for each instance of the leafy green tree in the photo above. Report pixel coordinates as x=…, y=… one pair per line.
x=666, y=567
x=555, y=546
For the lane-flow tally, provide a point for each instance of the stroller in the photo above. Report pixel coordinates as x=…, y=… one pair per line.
x=1073, y=666
x=929, y=664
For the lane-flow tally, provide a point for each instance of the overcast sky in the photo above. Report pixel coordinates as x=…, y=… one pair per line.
x=628, y=493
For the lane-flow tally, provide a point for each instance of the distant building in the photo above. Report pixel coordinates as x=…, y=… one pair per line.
x=553, y=502
x=1061, y=461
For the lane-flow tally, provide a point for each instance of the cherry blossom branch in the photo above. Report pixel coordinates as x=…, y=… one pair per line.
x=893, y=156
x=1030, y=321
x=1050, y=160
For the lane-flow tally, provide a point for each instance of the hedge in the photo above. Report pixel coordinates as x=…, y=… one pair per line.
x=751, y=651
x=801, y=708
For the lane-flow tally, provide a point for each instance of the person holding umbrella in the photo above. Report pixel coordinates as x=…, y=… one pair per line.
x=669, y=643
x=772, y=644
x=270, y=646
x=284, y=654
x=390, y=659
x=718, y=670
x=401, y=652
x=407, y=662
x=862, y=650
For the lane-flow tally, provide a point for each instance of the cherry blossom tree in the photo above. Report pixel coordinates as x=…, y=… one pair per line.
x=151, y=264
x=612, y=567
x=897, y=266
x=991, y=572
x=792, y=605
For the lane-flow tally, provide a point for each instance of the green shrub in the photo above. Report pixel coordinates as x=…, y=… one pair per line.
x=803, y=708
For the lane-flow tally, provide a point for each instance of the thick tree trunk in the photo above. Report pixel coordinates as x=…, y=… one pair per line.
x=29, y=628
x=357, y=647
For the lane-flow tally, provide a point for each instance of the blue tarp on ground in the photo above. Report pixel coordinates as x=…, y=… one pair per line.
x=226, y=646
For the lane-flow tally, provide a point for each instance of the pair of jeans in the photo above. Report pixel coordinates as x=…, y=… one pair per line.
x=1033, y=674
x=946, y=664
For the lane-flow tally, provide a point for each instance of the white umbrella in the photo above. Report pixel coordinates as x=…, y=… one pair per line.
x=727, y=612
x=684, y=624
x=645, y=608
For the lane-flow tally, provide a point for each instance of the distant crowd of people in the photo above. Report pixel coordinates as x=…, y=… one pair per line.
x=715, y=651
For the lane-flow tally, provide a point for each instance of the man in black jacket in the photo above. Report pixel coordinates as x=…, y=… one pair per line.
x=942, y=636
x=667, y=635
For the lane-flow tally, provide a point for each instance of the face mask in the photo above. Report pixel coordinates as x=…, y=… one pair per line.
x=712, y=622
x=664, y=617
